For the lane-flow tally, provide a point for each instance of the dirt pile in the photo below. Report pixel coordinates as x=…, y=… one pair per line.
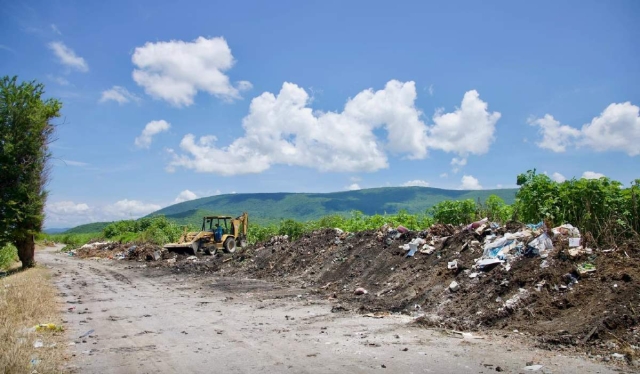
x=547, y=283
x=121, y=251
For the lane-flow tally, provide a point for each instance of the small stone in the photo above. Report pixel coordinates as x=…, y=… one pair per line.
x=360, y=291
x=498, y=368
x=383, y=366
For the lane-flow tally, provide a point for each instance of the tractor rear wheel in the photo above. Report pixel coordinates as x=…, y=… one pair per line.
x=229, y=245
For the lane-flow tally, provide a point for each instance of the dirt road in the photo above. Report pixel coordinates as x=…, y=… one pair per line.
x=139, y=320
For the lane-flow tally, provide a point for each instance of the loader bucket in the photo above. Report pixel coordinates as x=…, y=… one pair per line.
x=193, y=246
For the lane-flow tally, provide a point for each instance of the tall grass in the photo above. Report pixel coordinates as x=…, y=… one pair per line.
x=28, y=298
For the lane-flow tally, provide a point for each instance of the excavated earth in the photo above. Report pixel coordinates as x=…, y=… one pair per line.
x=556, y=305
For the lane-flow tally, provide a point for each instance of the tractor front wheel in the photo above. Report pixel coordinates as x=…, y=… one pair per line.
x=229, y=245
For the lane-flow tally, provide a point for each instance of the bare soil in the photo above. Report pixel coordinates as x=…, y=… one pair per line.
x=126, y=316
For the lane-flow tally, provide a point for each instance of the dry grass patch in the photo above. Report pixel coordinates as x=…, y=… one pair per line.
x=28, y=298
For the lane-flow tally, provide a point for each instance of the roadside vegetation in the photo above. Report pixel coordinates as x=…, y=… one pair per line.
x=26, y=130
x=27, y=298
x=601, y=207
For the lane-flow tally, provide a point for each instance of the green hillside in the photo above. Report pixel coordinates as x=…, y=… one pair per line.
x=270, y=207
x=88, y=228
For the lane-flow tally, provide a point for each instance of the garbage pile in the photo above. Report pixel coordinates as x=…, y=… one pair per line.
x=120, y=251
x=548, y=282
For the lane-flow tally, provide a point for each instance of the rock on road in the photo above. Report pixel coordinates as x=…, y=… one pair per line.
x=140, y=320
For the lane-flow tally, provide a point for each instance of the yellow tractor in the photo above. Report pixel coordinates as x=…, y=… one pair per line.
x=218, y=232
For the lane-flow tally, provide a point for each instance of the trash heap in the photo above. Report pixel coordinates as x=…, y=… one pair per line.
x=120, y=251
x=551, y=283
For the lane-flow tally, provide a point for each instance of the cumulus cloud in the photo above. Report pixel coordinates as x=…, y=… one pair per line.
x=66, y=213
x=558, y=177
x=130, y=209
x=617, y=128
x=416, y=183
x=118, y=94
x=468, y=130
x=283, y=129
x=175, y=71
x=68, y=57
x=470, y=183
x=152, y=128
x=592, y=175
x=555, y=137
x=353, y=187
x=67, y=207
x=186, y=195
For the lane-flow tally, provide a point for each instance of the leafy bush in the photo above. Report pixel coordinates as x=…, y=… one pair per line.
x=599, y=206
x=455, y=212
x=8, y=255
x=495, y=209
x=157, y=229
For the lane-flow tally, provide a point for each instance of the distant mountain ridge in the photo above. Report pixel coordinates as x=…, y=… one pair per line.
x=264, y=208
x=270, y=207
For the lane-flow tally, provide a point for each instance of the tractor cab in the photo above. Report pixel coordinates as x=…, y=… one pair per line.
x=218, y=225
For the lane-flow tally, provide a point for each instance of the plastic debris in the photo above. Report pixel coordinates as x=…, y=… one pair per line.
x=38, y=344
x=533, y=367
x=488, y=262
x=87, y=333
x=360, y=291
x=586, y=268
x=454, y=286
x=574, y=242
x=452, y=265
x=48, y=327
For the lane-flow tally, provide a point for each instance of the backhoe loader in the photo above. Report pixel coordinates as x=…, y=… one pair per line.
x=218, y=232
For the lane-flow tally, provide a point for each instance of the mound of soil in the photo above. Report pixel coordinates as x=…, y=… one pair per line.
x=552, y=298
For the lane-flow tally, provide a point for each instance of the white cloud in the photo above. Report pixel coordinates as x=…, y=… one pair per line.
x=430, y=90
x=468, y=130
x=55, y=29
x=444, y=175
x=244, y=85
x=6, y=48
x=68, y=57
x=555, y=137
x=118, y=94
x=176, y=70
x=186, y=195
x=59, y=80
x=130, y=209
x=616, y=129
x=558, y=177
x=498, y=186
x=416, y=183
x=355, y=179
x=67, y=208
x=592, y=175
x=353, y=187
x=152, y=128
x=459, y=161
x=74, y=163
x=283, y=129
x=470, y=183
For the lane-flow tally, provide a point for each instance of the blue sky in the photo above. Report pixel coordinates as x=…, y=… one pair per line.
x=167, y=101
